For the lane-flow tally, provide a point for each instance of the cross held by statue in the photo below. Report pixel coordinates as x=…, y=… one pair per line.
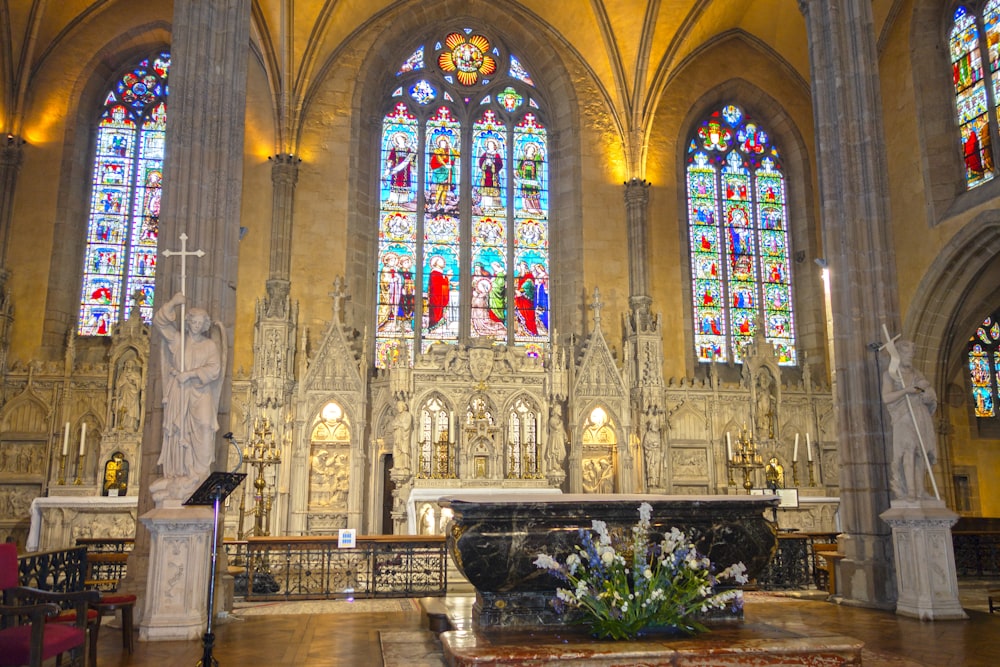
x=183, y=254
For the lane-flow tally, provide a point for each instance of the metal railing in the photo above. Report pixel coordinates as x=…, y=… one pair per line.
x=977, y=553
x=60, y=570
x=314, y=568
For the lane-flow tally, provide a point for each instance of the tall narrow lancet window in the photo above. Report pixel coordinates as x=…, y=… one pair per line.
x=984, y=364
x=977, y=91
x=463, y=246
x=738, y=235
x=120, y=257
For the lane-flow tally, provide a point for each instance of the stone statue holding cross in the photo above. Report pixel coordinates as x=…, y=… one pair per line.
x=193, y=366
x=192, y=381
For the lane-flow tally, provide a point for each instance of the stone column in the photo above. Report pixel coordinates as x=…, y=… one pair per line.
x=202, y=195
x=11, y=159
x=636, y=211
x=857, y=241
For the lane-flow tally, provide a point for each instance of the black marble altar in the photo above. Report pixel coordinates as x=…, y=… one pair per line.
x=494, y=542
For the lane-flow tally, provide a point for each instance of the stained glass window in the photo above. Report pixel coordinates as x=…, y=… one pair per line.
x=971, y=35
x=738, y=236
x=120, y=257
x=984, y=364
x=463, y=202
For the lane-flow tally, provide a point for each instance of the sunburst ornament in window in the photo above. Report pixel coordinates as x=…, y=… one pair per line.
x=467, y=56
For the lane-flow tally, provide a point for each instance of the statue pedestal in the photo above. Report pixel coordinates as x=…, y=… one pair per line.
x=926, y=578
x=177, y=584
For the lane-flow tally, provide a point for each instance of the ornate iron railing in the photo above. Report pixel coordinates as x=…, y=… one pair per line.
x=977, y=553
x=310, y=568
x=61, y=570
x=794, y=565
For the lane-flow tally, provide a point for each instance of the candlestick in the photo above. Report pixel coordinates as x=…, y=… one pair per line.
x=795, y=451
x=809, y=451
x=62, y=469
x=65, y=449
x=83, y=438
x=79, y=470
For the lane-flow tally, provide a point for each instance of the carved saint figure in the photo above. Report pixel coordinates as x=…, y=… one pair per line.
x=191, y=387
x=911, y=401
x=557, y=439
x=402, y=425
x=126, y=400
x=652, y=453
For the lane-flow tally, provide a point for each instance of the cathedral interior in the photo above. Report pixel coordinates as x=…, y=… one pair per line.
x=509, y=246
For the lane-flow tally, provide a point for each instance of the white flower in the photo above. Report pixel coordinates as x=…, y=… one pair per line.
x=647, y=573
x=608, y=556
x=624, y=607
x=546, y=562
x=602, y=531
x=645, y=511
x=572, y=563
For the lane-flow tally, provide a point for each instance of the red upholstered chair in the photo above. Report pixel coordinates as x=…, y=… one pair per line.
x=33, y=642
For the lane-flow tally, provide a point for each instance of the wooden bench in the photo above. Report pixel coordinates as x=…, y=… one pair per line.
x=829, y=555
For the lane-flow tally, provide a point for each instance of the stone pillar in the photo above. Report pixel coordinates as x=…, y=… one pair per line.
x=202, y=195
x=11, y=158
x=284, y=176
x=925, y=560
x=858, y=246
x=636, y=210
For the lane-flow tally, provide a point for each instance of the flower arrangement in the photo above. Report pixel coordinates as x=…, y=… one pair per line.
x=623, y=587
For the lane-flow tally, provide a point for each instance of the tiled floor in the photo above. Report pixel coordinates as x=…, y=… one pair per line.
x=323, y=639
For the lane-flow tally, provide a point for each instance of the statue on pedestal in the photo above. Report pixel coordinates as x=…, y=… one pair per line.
x=402, y=426
x=193, y=367
x=557, y=439
x=126, y=408
x=651, y=447
x=911, y=401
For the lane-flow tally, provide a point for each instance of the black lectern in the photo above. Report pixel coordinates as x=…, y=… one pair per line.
x=213, y=490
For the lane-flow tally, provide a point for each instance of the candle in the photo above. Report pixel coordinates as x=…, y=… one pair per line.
x=66, y=440
x=83, y=438
x=795, y=451
x=809, y=451
x=729, y=446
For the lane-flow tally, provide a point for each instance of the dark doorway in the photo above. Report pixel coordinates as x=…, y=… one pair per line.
x=388, y=489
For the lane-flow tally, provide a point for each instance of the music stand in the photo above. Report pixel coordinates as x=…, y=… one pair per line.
x=212, y=491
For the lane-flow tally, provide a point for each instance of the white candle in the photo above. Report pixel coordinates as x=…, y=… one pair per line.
x=729, y=446
x=66, y=439
x=83, y=438
x=809, y=451
x=795, y=451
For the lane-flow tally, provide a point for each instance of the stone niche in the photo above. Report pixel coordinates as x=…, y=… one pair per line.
x=495, y=541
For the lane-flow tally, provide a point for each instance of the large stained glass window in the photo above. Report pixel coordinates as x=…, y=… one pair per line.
x=738, y=234
x=463, y=202
x=120, y=259
x=977, y=92
x=984, y=364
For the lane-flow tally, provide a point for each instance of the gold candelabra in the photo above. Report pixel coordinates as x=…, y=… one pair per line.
x=261, y=453
x=62, y=470
x=743, y=457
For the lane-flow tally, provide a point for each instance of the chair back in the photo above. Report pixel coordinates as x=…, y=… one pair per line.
x=8, y=566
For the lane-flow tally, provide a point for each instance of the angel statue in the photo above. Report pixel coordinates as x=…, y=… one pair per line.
x=193, y=369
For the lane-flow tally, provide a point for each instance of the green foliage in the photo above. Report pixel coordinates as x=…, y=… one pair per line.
x=623, y=587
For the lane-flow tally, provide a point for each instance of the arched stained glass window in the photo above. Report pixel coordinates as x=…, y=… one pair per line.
x=984, y=363
x=977, y=92
x=738, y=235
x=463, y=202
x=120, y=259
